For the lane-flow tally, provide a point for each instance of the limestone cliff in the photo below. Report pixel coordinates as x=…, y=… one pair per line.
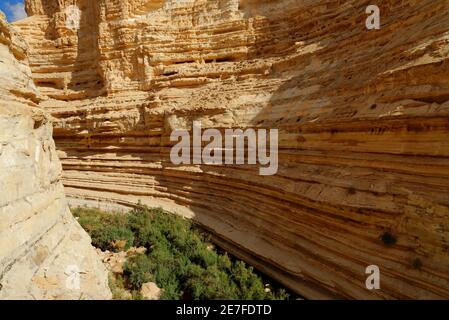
x=363, y=120
x=41, y=244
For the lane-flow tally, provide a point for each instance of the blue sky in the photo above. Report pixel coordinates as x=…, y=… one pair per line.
x=14, y=9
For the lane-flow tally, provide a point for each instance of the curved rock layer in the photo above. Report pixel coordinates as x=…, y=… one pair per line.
x=363, y=120
x=43, y=248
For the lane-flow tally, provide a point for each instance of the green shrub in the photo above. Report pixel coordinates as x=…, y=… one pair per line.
x=137, y=270
x=250, y=286
x=210, y=283
x=105, y=229
x=179, y=257
x=107, y=237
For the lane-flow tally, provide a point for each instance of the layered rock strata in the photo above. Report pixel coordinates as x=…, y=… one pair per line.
x=44, y=253
x=363, y=120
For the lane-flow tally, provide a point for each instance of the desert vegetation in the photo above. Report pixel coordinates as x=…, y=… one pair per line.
x=179, y=258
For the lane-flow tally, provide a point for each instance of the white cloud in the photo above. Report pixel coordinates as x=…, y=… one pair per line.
x=17, y=11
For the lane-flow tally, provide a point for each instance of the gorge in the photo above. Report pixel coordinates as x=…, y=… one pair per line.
x=362, y=118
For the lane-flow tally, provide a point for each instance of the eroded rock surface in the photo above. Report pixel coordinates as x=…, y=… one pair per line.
x=363, y=118
x=42, y=247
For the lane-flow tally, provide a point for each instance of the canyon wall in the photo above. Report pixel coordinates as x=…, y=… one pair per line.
x=363, y=119
x=42, y=246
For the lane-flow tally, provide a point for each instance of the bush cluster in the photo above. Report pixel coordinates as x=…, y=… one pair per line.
x=179, y=258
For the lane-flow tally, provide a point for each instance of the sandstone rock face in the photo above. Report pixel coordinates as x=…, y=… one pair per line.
x=363, y=120
x=42, y=246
